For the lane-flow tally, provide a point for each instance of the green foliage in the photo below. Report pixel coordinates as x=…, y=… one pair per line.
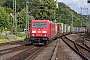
x=3, y=37
x=65, y=14
x=9, y=3
x=4, y=18
x=8, y=10
x=22, y=20
x=43, y=9
x=21, y=34
x=2, y=2
x=20, y=4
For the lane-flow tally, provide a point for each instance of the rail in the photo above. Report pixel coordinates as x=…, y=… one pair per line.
x=74, y=46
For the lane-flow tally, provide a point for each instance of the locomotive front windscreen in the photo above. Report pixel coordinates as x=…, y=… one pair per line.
x=39, y=24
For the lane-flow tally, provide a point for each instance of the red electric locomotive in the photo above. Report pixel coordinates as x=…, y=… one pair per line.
x=41, y=31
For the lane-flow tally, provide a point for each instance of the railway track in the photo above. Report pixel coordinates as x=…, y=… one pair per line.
x=10, y=50
x=13, y=42
x=31, y=53
x=82, y=51
x=10, y=47
x=49, y=52
x=35, y=53
x=22, y=52
x=86, y=41
x=7, y=50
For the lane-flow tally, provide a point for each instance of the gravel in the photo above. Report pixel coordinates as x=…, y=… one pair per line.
x=63, y=51
x=9, y=55
x=47, y=53
x=66, y=53
x=8, y=46
x=73, y=37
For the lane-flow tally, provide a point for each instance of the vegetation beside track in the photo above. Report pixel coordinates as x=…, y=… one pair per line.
x=87, y=35
x=19, y=36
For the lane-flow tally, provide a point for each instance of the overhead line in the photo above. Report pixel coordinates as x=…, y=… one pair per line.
x=76, y=3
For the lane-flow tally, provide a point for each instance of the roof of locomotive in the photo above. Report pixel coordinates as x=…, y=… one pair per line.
x=43, y=21
x=40, y=20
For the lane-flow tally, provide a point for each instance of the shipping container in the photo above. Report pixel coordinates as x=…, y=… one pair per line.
x=62, y=27
x=66, y=28
x=78, y=29
x=59, y=29
x=74, y=29
x=83, y=29
x=69, y=28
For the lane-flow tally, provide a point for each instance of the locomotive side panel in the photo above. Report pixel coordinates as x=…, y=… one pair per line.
x=53, y=30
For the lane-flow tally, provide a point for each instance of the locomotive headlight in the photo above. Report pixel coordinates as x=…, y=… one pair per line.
x=44, y=31
x=44, y=34
x=33, y=31
x=33, y=34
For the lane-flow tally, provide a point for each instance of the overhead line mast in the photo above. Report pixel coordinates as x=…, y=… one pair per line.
x=56, y=3
x=14, y=18
x=88, y=1
x=27, y=20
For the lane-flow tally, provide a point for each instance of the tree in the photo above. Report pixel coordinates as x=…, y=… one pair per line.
x=65, y=14
x=4, y=19
x=39, y=8
x=20, y=4
x=21, y=20
x=44, y=9
x=8, y=10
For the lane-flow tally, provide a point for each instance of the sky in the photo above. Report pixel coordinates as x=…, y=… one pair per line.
x=76, y=5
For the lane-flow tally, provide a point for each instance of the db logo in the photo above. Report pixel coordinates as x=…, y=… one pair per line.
x=39, y=31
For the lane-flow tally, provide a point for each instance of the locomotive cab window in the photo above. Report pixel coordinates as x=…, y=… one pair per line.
x=39, y=24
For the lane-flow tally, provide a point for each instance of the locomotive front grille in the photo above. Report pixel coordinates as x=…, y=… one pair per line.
x=38, y=38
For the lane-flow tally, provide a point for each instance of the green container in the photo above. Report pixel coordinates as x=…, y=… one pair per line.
x=66, y=28
x=62, y=28
x=69, y=28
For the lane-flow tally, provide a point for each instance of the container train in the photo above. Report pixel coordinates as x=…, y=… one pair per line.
x=43, y=31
